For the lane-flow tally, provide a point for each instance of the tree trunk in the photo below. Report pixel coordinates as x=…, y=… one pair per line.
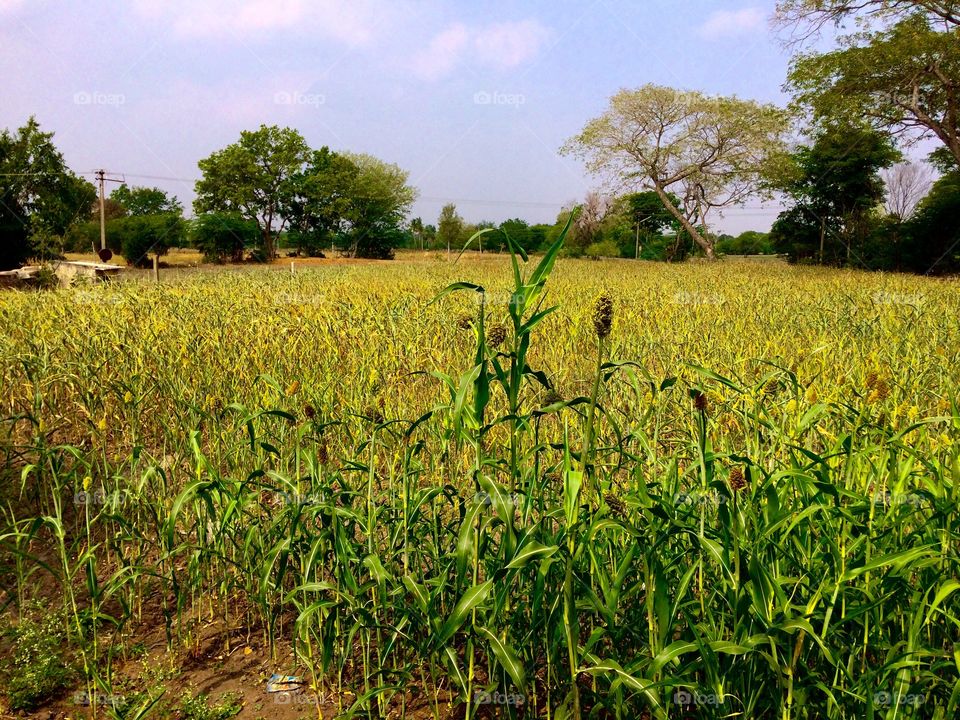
x=702, y=241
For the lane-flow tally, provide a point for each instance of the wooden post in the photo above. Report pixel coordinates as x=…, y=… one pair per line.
x=291, y=267
x=156, y=269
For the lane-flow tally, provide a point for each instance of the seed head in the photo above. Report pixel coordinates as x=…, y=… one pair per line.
x=552, y=397
x=737, y=481
x=294, y=388
x=700, y=402
x=322, y=455
x=496, y=335
x=616, y=505
x=465, y=322
x=603, y=316
x=309, y=411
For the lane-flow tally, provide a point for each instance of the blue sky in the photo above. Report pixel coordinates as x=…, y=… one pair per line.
x=474, y=99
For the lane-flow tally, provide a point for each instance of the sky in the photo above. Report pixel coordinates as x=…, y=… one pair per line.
x=474, y=99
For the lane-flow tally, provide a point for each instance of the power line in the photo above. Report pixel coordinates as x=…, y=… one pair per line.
x=487, y=202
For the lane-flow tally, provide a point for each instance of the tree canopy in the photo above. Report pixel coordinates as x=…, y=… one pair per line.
x=145, y=201
x=711, y=151
x=250, y=178
x=40, y=198
x=905, y=78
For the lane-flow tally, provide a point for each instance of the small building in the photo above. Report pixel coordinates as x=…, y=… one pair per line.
x=68, y=271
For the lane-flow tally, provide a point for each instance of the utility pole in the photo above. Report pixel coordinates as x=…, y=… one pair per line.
x=103, y=220
x=101, y=175
x=637, y=255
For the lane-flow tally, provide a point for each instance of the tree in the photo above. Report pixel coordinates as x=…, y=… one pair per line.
x=449, y=226
x=317, y=201
x=140, y=235
x=712, y=151
x=637, y=219
x=749, y=242
x=251, y=178
x=40, y=196
x=905, y=78
x=837, y=188
x=145, y=201
x=805, y=19
x=223, y=237
x=417, y=230
x=520, y=232
x=380, y=199
x=907, y=184
x=933, y=233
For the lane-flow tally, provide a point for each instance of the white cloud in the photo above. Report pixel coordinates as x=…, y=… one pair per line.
x=442, y=54
x=732, y=23
x=501, y=46
x=507, y=45
x=350, y=22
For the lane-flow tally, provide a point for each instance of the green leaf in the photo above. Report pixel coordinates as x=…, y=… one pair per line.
x=947, y=589
x=507, y=658
x=470, y=600
x=530, y=551
x=454, y=288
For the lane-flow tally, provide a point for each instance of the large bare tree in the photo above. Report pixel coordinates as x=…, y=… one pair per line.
x=907, y=184
x=712, y=152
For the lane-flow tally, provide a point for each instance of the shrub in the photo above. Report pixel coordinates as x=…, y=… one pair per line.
x=140, y=235
x=223, y=237
x=604, y=248
x=37, y=668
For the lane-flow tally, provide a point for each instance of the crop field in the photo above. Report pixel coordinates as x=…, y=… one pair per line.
x=699, y=490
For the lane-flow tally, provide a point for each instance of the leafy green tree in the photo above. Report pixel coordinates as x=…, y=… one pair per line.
x=251, y=178
x=140, y=235
x=520, y=232
x=145, y=201
x=932, y=244
x=749, y=242
x=317, y=202
x=449, y=227
x=837, y=190
x=417, y=232
x=712, y=151
x=380, y=199
x=637, y=219
x=223, y=237
x=40, y=196
x=904, y=78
